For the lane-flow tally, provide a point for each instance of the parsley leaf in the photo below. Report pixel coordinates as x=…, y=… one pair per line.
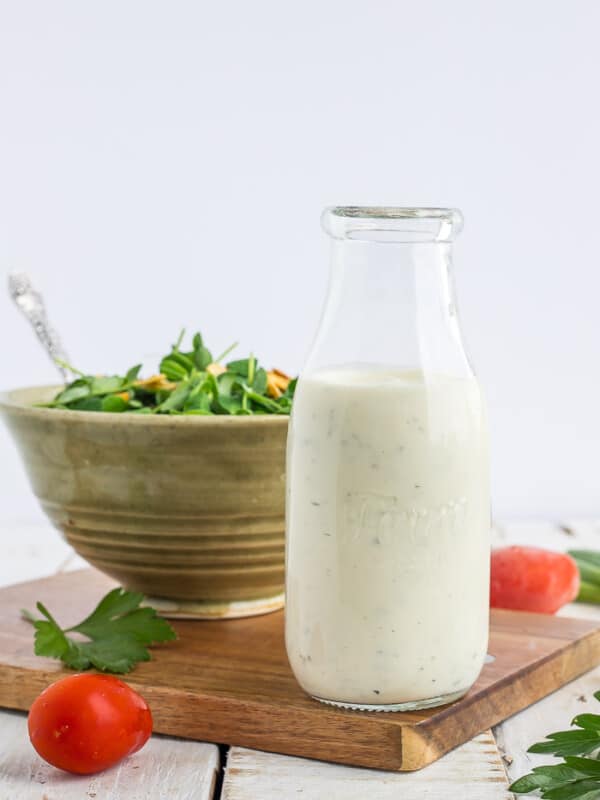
x=578, y=777
x=118, y=633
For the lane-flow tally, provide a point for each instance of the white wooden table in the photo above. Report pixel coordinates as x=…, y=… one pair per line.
x=182, y=770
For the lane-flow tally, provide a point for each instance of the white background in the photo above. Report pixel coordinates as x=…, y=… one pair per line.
x=165, y=163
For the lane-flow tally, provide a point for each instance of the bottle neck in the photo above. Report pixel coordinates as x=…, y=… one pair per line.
x=390, y=304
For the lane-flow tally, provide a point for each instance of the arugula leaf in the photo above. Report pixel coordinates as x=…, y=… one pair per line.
x=577, y=778
x=231, y=405
x=198, y=401
x=291, y=389
x=285, y=404
x=76, y=391
x=265, y=402
x=87, y=404
x=175, y=401
x=132, y=373
x=202, y=358
x=240, y=367
x=106, y=384
x=229, y=383
x=197, y=342
x=114, y=403
x=198, y=406
x=183, y=360
x=260, y=381
x=172, y=369
x=118, y=633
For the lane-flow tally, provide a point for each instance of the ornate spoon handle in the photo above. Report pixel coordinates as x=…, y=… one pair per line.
x=31, y=303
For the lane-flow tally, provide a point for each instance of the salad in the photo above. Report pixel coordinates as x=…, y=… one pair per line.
x=188, y=382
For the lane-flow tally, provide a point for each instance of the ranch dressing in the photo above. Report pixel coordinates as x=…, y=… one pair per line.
x=387, y=536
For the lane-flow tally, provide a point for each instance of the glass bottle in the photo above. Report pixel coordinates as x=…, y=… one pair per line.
x=387, y=541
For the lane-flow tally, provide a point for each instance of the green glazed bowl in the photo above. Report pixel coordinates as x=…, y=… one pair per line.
x=187, y=509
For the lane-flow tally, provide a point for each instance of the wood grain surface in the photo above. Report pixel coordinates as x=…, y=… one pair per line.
x=229, y=681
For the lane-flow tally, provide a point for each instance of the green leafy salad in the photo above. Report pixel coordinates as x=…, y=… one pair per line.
x=188, y=382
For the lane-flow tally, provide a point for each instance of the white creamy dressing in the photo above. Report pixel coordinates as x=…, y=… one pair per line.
x=388, y=535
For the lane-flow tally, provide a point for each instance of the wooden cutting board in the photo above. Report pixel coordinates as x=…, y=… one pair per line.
x=229, y=681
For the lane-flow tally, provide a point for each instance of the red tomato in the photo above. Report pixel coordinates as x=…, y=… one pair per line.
x=86, y=723
x=532, y=579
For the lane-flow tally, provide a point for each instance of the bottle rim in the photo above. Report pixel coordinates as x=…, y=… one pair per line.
x=392, y=224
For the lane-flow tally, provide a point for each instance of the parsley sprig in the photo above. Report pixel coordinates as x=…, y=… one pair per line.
x=118, y=633
x=578, y=777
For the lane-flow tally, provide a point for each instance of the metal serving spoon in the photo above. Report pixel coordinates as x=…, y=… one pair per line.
x=31, y=303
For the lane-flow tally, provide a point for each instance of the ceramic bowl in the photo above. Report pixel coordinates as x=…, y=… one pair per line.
x=187, y=509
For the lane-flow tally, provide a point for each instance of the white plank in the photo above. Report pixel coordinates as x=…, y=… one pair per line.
x=474, y=770
x=559, y=536
x=165, y=769
x=584, y=529
x=555, y=712
x=30, y=549
x=471, y=772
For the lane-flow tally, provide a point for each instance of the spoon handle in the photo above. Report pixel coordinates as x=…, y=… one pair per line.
x=31, y=303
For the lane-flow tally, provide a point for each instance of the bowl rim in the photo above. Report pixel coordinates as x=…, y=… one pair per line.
x=10, y=405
